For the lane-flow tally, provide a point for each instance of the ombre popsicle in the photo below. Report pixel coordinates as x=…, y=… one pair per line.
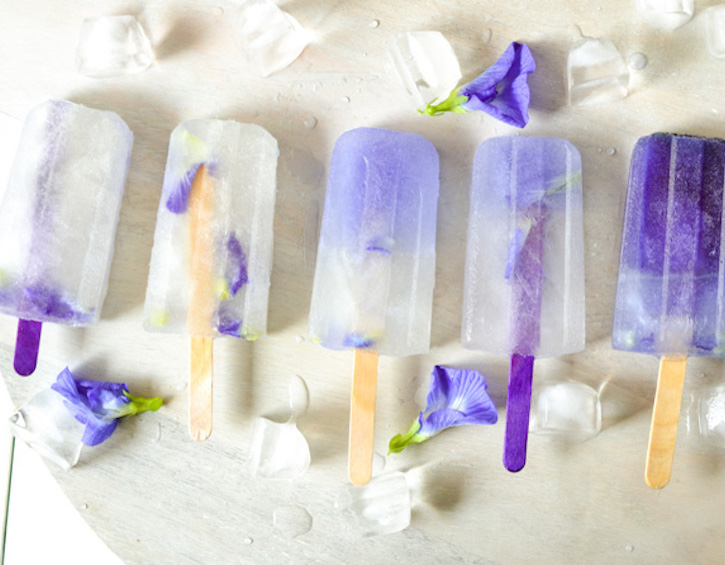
x=524, y=278
x=58, y=220
x=212, y=255
x=375, y=270
x=671, y=287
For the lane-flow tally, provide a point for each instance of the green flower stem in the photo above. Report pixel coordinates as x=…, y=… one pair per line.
x=400, y=442
x=139, y=404
x=454, y=103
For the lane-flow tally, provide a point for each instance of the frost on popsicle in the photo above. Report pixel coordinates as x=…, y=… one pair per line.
x=501, y=91
x=98, y=405
x=456, y=397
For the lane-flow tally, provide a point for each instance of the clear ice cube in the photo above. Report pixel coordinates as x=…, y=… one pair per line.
x=111, y=46
x=424, y=64
x=48, y=427
x=596, y=72
x=566, y=410
x=666, y=14
x=711, y=416
x=269, y=38
x=380, y=507
x=715, y=22
x=277, y=450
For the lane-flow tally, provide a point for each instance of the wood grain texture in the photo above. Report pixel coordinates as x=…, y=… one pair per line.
x=362, y=416
x=665, y=417
x=156, y=496
x=200, y=387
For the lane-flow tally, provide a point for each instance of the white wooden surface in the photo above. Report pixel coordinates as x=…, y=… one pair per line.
x=154, y=496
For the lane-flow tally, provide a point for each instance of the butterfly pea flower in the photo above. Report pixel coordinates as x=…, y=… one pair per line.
x=456, y=397
x=98, y=405
x=501, y=91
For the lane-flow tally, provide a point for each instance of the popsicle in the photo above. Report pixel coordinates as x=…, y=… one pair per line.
x=671, y=287
x=212, y=255
x=373, y=287
x=58, y=220
x=524, y=277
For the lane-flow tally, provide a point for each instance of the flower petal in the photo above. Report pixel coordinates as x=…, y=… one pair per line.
x=178, y=199
x=97, y=431
x=237, y=275
x=48, y=301
x=502, y=91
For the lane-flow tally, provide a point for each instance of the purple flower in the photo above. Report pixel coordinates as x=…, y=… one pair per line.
x=502, y=91
x=237, y=275
x=228, y=325
x=178, y=200
x=47, y=301
x=99, y=404
x=456, y=397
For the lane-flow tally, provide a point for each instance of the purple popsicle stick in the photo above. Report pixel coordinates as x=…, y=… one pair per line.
x=518, y=405
x=26, y=347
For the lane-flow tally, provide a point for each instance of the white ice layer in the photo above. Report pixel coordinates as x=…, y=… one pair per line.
x=111, y=46
x=241, y=167
x=59, y=214
x=596, y=72
x=425, y=65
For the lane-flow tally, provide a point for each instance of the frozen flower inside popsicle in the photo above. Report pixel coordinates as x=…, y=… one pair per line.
x=456, y=397
x=501, y=91
x=98, y=405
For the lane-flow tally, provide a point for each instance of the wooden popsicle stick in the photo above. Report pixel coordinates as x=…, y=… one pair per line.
x=27, y=344
x=665, y=417
x=201, y=305
x=518, y=406
x=362, y=416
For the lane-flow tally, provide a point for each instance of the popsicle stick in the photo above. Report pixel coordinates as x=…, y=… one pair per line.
x=518, y=406
x=362, y=416
x=200, y=387
x=201, y=306
x=665, y=417
x=27, y=344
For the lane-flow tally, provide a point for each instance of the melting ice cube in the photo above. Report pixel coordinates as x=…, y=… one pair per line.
x=715, y=18
x=270, y=39
x=566, y=410
x=425, y=65
x=666, y=14
x=596, y=72
x=380, y=507
x=277, y=450
x=111, y=46
x=711, y=416
x=48, y=427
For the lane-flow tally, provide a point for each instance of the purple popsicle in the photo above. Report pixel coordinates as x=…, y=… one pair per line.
x=671, y=287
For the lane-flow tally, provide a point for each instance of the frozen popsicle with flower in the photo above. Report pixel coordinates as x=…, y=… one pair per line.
x=524, y=277
x=212, y=255
x=58, y=219
x=671, y=287
x=374, y=278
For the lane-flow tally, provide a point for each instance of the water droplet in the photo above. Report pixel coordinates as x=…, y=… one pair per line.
x=292, y=521
x=346, y=99
x=374, y=24
x=181, y=386
x=247, y=541
x=300, y=338
x=378, y=463
x=299, y=397
x=486, y=35
x=311, y=122
x=84, y=507
x=219, y=11
x=637, y=61
x=629, y=547
x=599, y=150
x=611, y=151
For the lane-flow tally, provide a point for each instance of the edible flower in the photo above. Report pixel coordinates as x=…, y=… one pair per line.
x=237, y=275
x=501, y=91
x=47, y=301
x=456, y=397
x=178, y=199
x=98, y=405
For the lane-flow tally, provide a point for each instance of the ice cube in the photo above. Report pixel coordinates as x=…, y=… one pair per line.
x=596, y=72
x=715, y=19
x=425, y=65
x=380, y=507
x=277, y=450
x=666, y=14
x=111, y=46
x=566, y=410
x=270, y=39
x=48, y=427
x=711, y=416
